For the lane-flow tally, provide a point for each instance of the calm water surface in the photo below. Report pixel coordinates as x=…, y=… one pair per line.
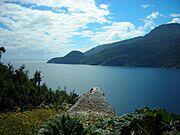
x=126, y=88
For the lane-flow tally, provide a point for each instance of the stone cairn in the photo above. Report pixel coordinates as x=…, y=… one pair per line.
x=92, y=101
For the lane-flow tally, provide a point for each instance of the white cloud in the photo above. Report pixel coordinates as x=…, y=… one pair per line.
x=35, y=29
x=117, y=31
x=175, y=20
x=103, y=6
x=146, y=5
x=153, y=15
x=149, y=21
x=174, y=15
x=114, y=32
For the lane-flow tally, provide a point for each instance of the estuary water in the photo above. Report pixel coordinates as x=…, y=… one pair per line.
x=126, y=88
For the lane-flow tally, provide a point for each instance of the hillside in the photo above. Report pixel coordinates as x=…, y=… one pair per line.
x=74, y=57
x=100, y=48
x=159, y=48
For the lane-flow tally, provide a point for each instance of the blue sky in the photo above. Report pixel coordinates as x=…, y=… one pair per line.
x=41, y=29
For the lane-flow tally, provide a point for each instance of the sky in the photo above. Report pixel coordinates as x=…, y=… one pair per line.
x=42, y=29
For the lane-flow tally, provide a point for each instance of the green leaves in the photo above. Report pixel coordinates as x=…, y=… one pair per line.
x=141, y=122
x=64, y=124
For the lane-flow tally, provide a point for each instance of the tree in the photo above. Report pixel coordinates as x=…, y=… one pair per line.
x=38, y=79
x=2, y=50
x=73, y=97
x=19, y=92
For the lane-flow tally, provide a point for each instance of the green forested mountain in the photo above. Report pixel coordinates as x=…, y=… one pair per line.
x=159, y=48
x=74, y=57
x=100, y=48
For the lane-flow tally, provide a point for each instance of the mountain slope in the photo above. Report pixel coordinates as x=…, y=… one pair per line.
x=163, y=49
x=159, y=48
x=74, y=57
x=100, y=48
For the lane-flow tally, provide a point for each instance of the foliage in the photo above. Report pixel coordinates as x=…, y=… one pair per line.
x=141, y=122
x=17, y=91
x=64, y=124
x=2, y=50
x=24, y=123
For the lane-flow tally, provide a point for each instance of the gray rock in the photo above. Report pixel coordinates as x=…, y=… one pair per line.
x=92, y=101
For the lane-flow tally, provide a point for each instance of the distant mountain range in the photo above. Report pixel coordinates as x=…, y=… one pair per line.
x=159, y=48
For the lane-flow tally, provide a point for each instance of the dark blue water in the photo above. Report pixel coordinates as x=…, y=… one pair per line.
x=126, y=88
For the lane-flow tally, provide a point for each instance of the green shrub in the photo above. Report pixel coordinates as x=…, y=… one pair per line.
x=64, y=124
x=142, y=122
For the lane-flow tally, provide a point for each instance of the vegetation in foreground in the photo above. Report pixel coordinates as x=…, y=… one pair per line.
x=51, y=122
x=25, y=102
x=19, y=92
x=141, y=122
x=24, y=123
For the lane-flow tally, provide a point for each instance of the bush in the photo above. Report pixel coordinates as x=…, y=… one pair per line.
x=64, y=124
x=142, y=122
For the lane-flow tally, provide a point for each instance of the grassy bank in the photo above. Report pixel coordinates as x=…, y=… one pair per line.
x=143, y=121
x=24, y=123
